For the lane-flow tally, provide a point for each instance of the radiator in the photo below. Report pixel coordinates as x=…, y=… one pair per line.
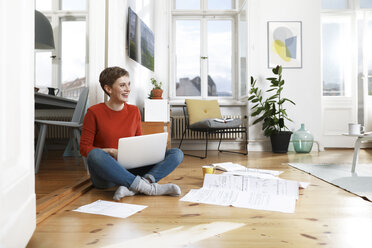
x=54, y=132
x=179, y=125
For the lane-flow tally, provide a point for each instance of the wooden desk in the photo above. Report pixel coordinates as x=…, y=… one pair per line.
x=45, y=101
x=157, y=127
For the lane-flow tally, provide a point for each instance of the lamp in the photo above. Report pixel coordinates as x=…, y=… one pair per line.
x=43, y=32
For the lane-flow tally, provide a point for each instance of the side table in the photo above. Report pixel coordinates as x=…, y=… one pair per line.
x=358, y=142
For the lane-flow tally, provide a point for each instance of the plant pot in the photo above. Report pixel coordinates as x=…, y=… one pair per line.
x=156, y=94
x=280, y=141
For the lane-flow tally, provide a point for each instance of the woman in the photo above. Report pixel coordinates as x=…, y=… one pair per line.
x=104, y=124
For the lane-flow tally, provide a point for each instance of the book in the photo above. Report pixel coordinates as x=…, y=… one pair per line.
x=223, y=120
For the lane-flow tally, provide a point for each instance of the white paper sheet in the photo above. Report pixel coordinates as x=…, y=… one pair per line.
x=253, y=200
x=246, y=192
x=211, y=196
x=228, y=166
x=239, y=169
x=259, y=201
x=251, y=174
x=262, y=175
x=113, y=209
x=252, y=184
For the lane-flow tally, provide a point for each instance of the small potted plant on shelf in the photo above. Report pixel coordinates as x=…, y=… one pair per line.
x=156, y=92
x=271, y=111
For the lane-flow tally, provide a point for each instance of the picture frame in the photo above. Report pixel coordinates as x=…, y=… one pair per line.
x=284, y=44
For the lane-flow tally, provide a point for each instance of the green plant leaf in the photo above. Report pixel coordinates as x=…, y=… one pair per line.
x=251, y=97
x=286, y=99
x=273, y=97
x=259, y=119
x=256, y=112
x=255, y=106
x=280, y=69
x=253, y=81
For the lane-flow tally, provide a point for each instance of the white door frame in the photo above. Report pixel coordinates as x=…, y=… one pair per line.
x=17, y=179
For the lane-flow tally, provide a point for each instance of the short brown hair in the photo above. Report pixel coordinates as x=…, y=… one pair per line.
x=109, y=75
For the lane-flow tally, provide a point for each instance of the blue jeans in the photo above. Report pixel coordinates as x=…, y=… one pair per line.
x=105, y=171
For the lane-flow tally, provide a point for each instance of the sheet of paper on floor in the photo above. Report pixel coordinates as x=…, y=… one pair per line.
x=252, y=184
x=239, y=169
x=113, y=209
x=269, y=174
x=251, y=174
x=242, y=199
x=247, y=192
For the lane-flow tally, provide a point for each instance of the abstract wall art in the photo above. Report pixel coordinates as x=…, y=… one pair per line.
x=284, y=44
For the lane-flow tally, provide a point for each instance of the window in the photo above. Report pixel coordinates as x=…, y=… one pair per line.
x=335, y=4
x=365, y=52
x=203, y=49
x=346, y=35
x=220, y=4
x=191, y=4
x=337, y=62
x=366, y=4
x=243, y=51
x=65, y=66
x=188, y=58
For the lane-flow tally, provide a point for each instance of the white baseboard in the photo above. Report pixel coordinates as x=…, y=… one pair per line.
x=259, y=146
x=198, y=145
x=253, y=145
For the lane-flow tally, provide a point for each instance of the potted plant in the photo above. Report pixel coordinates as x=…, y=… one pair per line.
x=271, y=111
x=156, y=92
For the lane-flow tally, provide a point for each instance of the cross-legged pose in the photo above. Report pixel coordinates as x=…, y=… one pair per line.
x=104, y=124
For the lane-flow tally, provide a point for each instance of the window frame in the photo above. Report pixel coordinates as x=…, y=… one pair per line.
x=56, y=17
x=240, y=94
x=350, y=80
x=204, y=15
x=355, y=13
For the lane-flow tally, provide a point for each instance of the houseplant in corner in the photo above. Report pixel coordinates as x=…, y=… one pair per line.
x=156, y=92
x=271, y=111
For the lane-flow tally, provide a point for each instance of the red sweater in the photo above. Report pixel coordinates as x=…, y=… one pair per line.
x=103, y=127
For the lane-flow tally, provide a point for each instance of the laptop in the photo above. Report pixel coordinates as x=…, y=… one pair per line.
x=138, y=151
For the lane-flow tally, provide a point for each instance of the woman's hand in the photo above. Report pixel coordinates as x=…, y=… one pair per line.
x=112, y=152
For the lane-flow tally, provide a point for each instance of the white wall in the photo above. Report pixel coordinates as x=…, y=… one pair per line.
x=96, y=56
x=301, y=85
x=117, y=44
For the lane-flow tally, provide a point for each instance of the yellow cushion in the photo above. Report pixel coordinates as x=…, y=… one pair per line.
x=199, y=110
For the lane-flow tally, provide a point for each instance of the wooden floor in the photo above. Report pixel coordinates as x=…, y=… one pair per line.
x=326, y=216
x=56, y=172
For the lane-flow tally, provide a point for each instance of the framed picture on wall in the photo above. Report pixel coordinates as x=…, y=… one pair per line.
x=284, y=44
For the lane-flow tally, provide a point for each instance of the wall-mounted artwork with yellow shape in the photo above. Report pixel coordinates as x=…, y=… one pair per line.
x=284, y=44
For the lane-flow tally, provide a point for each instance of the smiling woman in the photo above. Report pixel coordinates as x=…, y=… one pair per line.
x=104, y=124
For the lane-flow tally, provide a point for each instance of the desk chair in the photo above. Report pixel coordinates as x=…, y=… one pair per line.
x=200, y=116
x=76, y=123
